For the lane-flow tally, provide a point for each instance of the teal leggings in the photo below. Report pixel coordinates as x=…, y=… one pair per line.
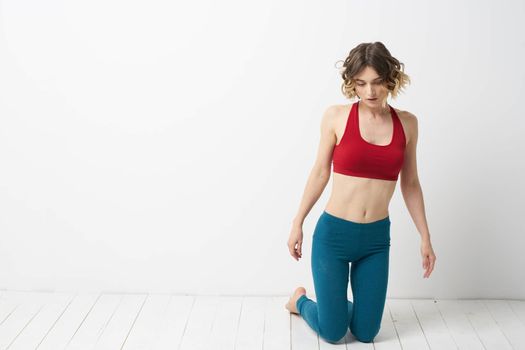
x=336, y=242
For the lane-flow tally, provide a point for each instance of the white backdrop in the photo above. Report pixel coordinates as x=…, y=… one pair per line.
x=164, y=146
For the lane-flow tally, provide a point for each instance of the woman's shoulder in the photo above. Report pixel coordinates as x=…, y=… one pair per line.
x=334, y=113
x=405, y=115
x=409, y=122
x=337, y=108
x=338, y=111
x=408, y=119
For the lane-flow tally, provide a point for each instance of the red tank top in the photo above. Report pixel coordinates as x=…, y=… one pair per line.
x=357, y=157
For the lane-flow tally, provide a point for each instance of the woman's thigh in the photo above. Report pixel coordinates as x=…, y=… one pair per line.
x=330, y=275
x=369, y=280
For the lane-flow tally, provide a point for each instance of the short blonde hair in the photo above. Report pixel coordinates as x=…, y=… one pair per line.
x=377, y=56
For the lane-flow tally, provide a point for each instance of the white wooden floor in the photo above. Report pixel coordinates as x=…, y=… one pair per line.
x=33, y=320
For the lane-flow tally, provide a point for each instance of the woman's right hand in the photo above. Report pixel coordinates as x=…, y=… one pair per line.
x=295, y=242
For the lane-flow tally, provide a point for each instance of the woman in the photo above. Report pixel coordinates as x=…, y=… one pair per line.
x=369, y=143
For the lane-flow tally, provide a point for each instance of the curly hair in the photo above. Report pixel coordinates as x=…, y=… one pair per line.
x=377, y=56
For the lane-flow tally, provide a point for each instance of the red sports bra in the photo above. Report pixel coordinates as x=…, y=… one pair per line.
x=357, y=157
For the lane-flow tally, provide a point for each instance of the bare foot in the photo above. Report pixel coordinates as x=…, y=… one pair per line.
x=290, y=305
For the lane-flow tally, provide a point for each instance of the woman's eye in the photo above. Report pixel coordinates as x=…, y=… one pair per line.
x=376, y=82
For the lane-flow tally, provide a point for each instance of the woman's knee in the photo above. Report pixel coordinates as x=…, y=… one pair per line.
x=365, y=335
x=334, y=335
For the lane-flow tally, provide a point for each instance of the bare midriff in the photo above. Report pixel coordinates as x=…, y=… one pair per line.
x=360, y=199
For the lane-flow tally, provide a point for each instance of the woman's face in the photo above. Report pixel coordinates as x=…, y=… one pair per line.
x=370, y=88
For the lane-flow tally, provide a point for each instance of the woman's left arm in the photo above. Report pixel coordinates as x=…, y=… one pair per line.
x=413, y=194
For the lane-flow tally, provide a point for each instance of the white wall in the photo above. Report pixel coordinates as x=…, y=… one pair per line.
x=164, y=147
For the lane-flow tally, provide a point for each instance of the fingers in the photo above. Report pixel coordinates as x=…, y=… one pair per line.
x=428, y=264
x=295, y=252
x=431, y=267
x=427, y=272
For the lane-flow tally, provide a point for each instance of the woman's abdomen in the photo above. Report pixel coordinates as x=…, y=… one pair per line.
x=360, y=199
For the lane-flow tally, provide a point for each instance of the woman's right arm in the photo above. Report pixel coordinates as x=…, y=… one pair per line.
x=317, y=180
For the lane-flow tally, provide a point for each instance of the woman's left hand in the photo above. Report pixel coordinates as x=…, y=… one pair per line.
x=429, y=258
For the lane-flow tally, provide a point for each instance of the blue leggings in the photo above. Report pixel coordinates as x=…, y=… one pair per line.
x=335, y=243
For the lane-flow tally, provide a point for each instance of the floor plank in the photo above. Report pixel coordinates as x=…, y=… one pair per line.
x=121, y=323
x=7, y=306
x=34, y=333
x=486, y=327
x=198, y=328
x=49, y=321
x=174, y=322
x=148, y=324
x=277, y=331
x=68, y=323
x=508, y=322
x=226, y=323
x=251, y=324
x=459, y=325
x=407, y=325
x=518, y=306
x=387, y=337
x=27, y=307
x=433, y=325
x=94, y=323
